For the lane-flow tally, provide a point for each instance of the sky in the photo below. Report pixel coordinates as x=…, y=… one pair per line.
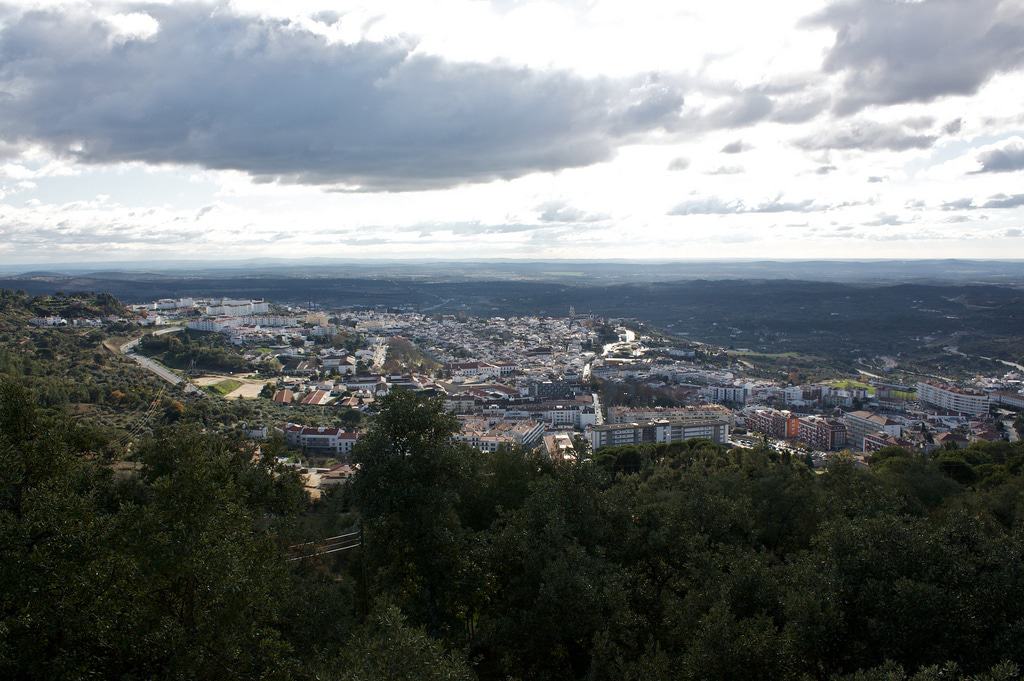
x=504, y=129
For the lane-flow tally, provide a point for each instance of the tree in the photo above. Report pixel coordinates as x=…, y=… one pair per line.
x=350, y=418
x=387, y=648
x=407, y=491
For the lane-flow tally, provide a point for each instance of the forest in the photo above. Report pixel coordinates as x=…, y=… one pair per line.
x=189, y=558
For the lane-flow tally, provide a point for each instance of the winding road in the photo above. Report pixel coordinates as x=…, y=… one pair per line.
x=128, y=350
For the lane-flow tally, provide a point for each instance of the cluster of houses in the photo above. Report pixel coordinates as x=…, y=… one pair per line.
x=527, y=381
x=924, y=417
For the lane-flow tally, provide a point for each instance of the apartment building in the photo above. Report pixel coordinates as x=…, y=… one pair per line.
x=774, y=423
x=952, y=398
x=226, y=307
x=860, y=424
x=207, y=325
x=488, y=434
x=323, y=441
x=621, y=414
x=1009, y=399
x=725, y=393
x=475, y=370
x=557, y=413
x=821, y=433
x=618, y=434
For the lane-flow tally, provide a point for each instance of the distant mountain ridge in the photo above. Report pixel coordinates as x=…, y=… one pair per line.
x=1008, y=272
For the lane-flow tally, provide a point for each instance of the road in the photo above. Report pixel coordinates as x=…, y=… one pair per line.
x=380, y=355
x=128, y=350
x=438, y=306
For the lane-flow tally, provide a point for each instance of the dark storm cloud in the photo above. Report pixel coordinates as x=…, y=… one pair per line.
x=272, y=99
x=893, y=51
x=1003, y=160
x=867, y=136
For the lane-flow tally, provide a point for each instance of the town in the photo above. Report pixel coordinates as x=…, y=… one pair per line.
x=567, y=387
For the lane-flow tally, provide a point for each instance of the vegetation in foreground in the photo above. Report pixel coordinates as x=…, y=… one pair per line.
x=686, y=561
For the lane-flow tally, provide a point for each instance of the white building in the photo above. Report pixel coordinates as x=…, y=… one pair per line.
x=725, y=393
x=620, y=414
x=861, y=424
x=1009, y=399
x=477, y=370
x=236, y=308
x=618, y=434
x=952, y=398
x=793, y=394
x=488, y=435
x=320, y=440
x=208, y=325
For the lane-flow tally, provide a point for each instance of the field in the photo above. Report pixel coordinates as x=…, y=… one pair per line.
x=850, y=384
x=231, y=387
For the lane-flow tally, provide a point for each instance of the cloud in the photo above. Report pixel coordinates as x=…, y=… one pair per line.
x=1005, y=159
x=716, y=206
x=679, y=163
x=994, y=201
x=953, y=127
x=478, y=228
x=825, y=169
x=736, y=147
x=893, y=52
x=746, y=108
x=958, y=204
x=919, y=122
x=1014, y=232
x=726, y=170
x=867, y=136
x=800, y=108
x=886, y=220
x=281, y=103
x=1004, y=201
x=559, y=211
x=877, y=178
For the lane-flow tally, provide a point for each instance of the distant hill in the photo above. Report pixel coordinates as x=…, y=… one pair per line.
x=20, y=304
x=1008, y=272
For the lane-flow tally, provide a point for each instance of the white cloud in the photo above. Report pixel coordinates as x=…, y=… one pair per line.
x=526, y=129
